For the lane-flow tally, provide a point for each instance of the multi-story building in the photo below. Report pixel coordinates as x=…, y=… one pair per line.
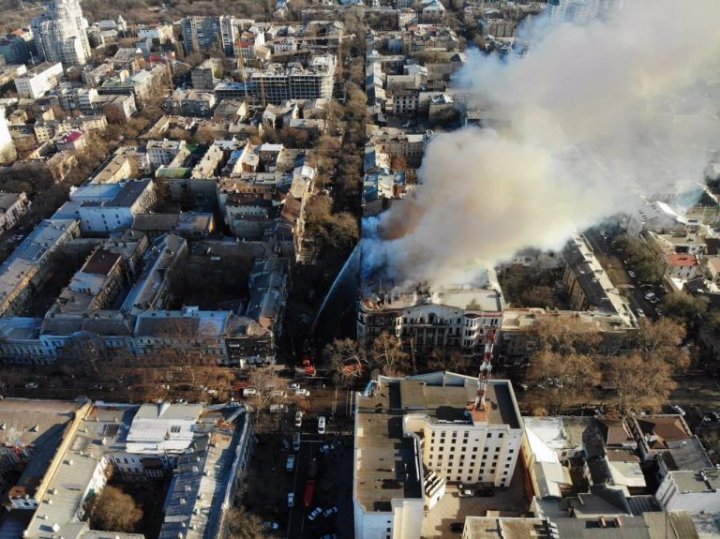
x=12, y=207
x=204, y=76
x=588, y=285
x=158, y=33
x=32, y=260
x=61, y=33
x=38, y=81
x=79, y=447
x=432, y=431
x=460, y=318
x=279, y=83
x=211, y=32
x=190, y=103
x=162, y=152
x=581, y=11
x=104, y=208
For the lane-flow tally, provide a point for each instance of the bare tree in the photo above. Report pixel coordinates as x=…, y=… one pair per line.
x=387, y=355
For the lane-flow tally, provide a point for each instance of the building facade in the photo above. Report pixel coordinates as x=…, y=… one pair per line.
x=61, y=33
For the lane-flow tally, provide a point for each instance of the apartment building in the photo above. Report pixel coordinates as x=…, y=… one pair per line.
x=190, y=103
x=204, y=76
x=162, y=152
x=61, y=33
x=12, y=207
x=428, y=427
x=588, y=285
x=104, y=208
x=211, y=32
x=38, y=81
x=279, y=83
x=31, y=261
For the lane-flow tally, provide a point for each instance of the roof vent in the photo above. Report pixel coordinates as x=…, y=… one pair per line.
x=56, y=527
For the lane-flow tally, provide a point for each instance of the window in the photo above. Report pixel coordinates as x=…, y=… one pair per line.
x=486, y=449
x=511, y=451
x=500, y=435
x=175, y=429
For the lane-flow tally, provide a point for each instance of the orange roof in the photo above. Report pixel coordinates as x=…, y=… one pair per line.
x=679, y=260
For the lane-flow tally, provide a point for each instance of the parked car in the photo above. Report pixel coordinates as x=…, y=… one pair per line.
x=296, y=442
x=466, y=492
x=291, y=499
x=631, y=274
x=321, y=424
x=485, y=492
x=330, y=511
x=290, y=465
x=457, y=527
x=278, y=394
x=298, y=418
x=270, y=526
x=649, y=295
x=249, y=391
x=302, y=392
x=31, y=385
x=277, y=408
x=294, y=386
x=315, y=513
x=677, y=409
x=641, y=313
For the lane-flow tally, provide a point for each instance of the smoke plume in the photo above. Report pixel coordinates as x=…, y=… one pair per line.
x=590, y=118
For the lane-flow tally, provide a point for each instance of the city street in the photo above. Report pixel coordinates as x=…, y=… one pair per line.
x=601, y=244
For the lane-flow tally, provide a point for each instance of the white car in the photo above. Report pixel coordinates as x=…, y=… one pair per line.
x=298, y=418
x=315, y=513
x=641, y=313
x=649, y=295
x=300, y=392
x=248, y=391
x=294, y=386
x=31, y=385
x=321, y=424
x=291, y=499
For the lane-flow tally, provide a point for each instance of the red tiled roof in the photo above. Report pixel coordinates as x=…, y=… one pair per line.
x=679, y=260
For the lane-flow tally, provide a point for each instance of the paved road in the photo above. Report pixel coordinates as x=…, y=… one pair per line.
x=334, y=480
x=601, y=244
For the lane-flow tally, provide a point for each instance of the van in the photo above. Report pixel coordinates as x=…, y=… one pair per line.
x=296, y=442
x=321, y=424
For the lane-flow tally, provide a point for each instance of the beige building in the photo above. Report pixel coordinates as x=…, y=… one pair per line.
x=426, y=429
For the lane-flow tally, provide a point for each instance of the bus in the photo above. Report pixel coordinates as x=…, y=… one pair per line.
x=309, y=493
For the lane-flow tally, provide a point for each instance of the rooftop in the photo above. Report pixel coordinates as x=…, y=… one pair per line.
x=380, y=440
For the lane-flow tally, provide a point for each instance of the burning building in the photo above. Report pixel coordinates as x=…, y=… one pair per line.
x=426, y=318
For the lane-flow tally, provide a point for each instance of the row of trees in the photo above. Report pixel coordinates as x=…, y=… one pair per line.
x=576, y=359
x=572, y=362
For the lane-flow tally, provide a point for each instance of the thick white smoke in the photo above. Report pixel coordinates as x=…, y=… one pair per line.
x=590, y=117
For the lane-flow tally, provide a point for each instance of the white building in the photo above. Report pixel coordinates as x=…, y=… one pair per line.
x=428, y=432
x=61, y=33
x=693, y=491
x=162, y=152
x=454, y=317
x=104, y=208
x=12, y=207
x=40, y=80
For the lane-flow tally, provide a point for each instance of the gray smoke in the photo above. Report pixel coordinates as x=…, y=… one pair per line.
x=590, y=118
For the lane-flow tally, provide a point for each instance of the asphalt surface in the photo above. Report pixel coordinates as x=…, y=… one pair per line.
x=334, y=475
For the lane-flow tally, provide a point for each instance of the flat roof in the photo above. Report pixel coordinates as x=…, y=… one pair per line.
x=380, y=443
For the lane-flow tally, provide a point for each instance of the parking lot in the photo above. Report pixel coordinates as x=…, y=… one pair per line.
x=510, y=501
